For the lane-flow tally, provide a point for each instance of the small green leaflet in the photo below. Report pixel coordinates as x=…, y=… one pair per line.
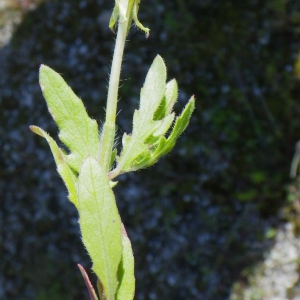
x=77, y=131
x=126, y=270
x=63, y=168
x=100, y=224
x=154, y=118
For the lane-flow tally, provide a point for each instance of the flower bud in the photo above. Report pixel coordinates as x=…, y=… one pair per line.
x=127, y=10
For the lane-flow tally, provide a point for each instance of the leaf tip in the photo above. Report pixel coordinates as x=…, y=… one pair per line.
x=36, y=130
x=43, y=68
x=192, y=100
x=158, y=57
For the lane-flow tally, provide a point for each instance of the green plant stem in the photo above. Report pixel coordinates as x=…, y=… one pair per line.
x=109, y=128
x=112, y=174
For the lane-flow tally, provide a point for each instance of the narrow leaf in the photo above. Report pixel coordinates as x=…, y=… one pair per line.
x=166, y=145
x=77, y=131
x=171, y=94
x=137, y=22
x=88, y=284
x=126, y=270
x=114, y=17
x=183, y=120
x=100, y=224
x=63, y=168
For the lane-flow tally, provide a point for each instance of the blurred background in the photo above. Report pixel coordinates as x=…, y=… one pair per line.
x=216, y=218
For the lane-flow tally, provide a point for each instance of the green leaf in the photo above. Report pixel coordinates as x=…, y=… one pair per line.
x=171, y=95
x=164, y=125
x=77, y=131
x=114, y=17
x=167, y=103
x=136, y=20
x=63, y=168
x=180, y=125
x=100, y=224
x=143, y=120
x=161, y=110
x=152, y=121
x=166, y=145
x=154, y=88
x=126, y=270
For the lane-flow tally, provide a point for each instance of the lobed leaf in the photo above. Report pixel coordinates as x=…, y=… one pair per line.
x=100, y=224
x=151, y=122
x=126, y=270
x=166, y=145
x=144, y=124
x=63, y=168
x=77, y=131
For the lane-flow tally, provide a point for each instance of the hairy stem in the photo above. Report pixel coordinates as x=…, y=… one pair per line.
x=109, y=128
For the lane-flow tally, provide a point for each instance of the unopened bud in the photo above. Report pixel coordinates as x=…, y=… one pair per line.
x=127, y=10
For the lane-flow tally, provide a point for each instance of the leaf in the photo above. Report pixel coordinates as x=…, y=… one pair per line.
x=126, y=270
x=114, y=17
x=166, y=145
x=100, y=224
x=77, y=131
x=171, y=94
x=154, y=88
x=143, y=124
x=168, y=101
x=180, y=125
x=152, y=121
x=63, y=168
x=136, y=20
x=161, y=110
x=88, y=284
